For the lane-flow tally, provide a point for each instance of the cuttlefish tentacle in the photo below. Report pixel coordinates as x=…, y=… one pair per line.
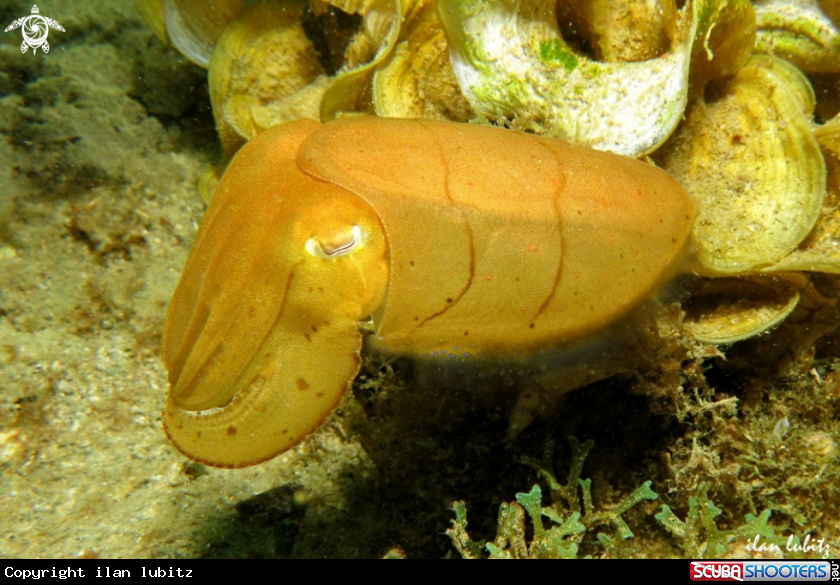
x=448, y=235
x=262, y=339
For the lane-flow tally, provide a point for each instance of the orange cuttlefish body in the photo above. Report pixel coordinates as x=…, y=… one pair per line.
x=447, y=235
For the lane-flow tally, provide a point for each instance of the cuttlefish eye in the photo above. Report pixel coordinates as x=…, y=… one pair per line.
x=335, y=244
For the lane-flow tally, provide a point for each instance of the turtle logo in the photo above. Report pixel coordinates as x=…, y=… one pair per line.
x=35, y=30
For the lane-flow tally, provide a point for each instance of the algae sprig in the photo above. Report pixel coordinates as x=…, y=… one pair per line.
x=573, y=516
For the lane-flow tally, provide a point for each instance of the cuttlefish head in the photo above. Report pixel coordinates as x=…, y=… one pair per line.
x=261, y=340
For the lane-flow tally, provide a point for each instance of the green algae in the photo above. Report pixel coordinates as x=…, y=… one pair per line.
x=555, y=50
x=699, y=536
x=573, y=516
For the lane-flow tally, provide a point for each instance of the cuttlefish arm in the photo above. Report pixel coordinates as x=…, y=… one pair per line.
x=454, y=237
x=261, y=340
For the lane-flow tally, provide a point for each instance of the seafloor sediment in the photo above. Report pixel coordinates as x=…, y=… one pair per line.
x=98, y=207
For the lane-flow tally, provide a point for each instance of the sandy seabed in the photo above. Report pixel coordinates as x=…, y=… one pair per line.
x=98, y=207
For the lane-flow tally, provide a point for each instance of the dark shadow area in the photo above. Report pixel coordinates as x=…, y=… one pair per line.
x=434, y=444
x=449, y=444
x=174, y=90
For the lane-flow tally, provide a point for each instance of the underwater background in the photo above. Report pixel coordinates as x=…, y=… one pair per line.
x=103, y=142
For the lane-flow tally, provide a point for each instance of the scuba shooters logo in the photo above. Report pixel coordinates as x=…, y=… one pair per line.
x=35, y=29
x=765, y=571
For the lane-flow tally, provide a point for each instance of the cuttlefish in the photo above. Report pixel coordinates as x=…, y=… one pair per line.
x=439, y=237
